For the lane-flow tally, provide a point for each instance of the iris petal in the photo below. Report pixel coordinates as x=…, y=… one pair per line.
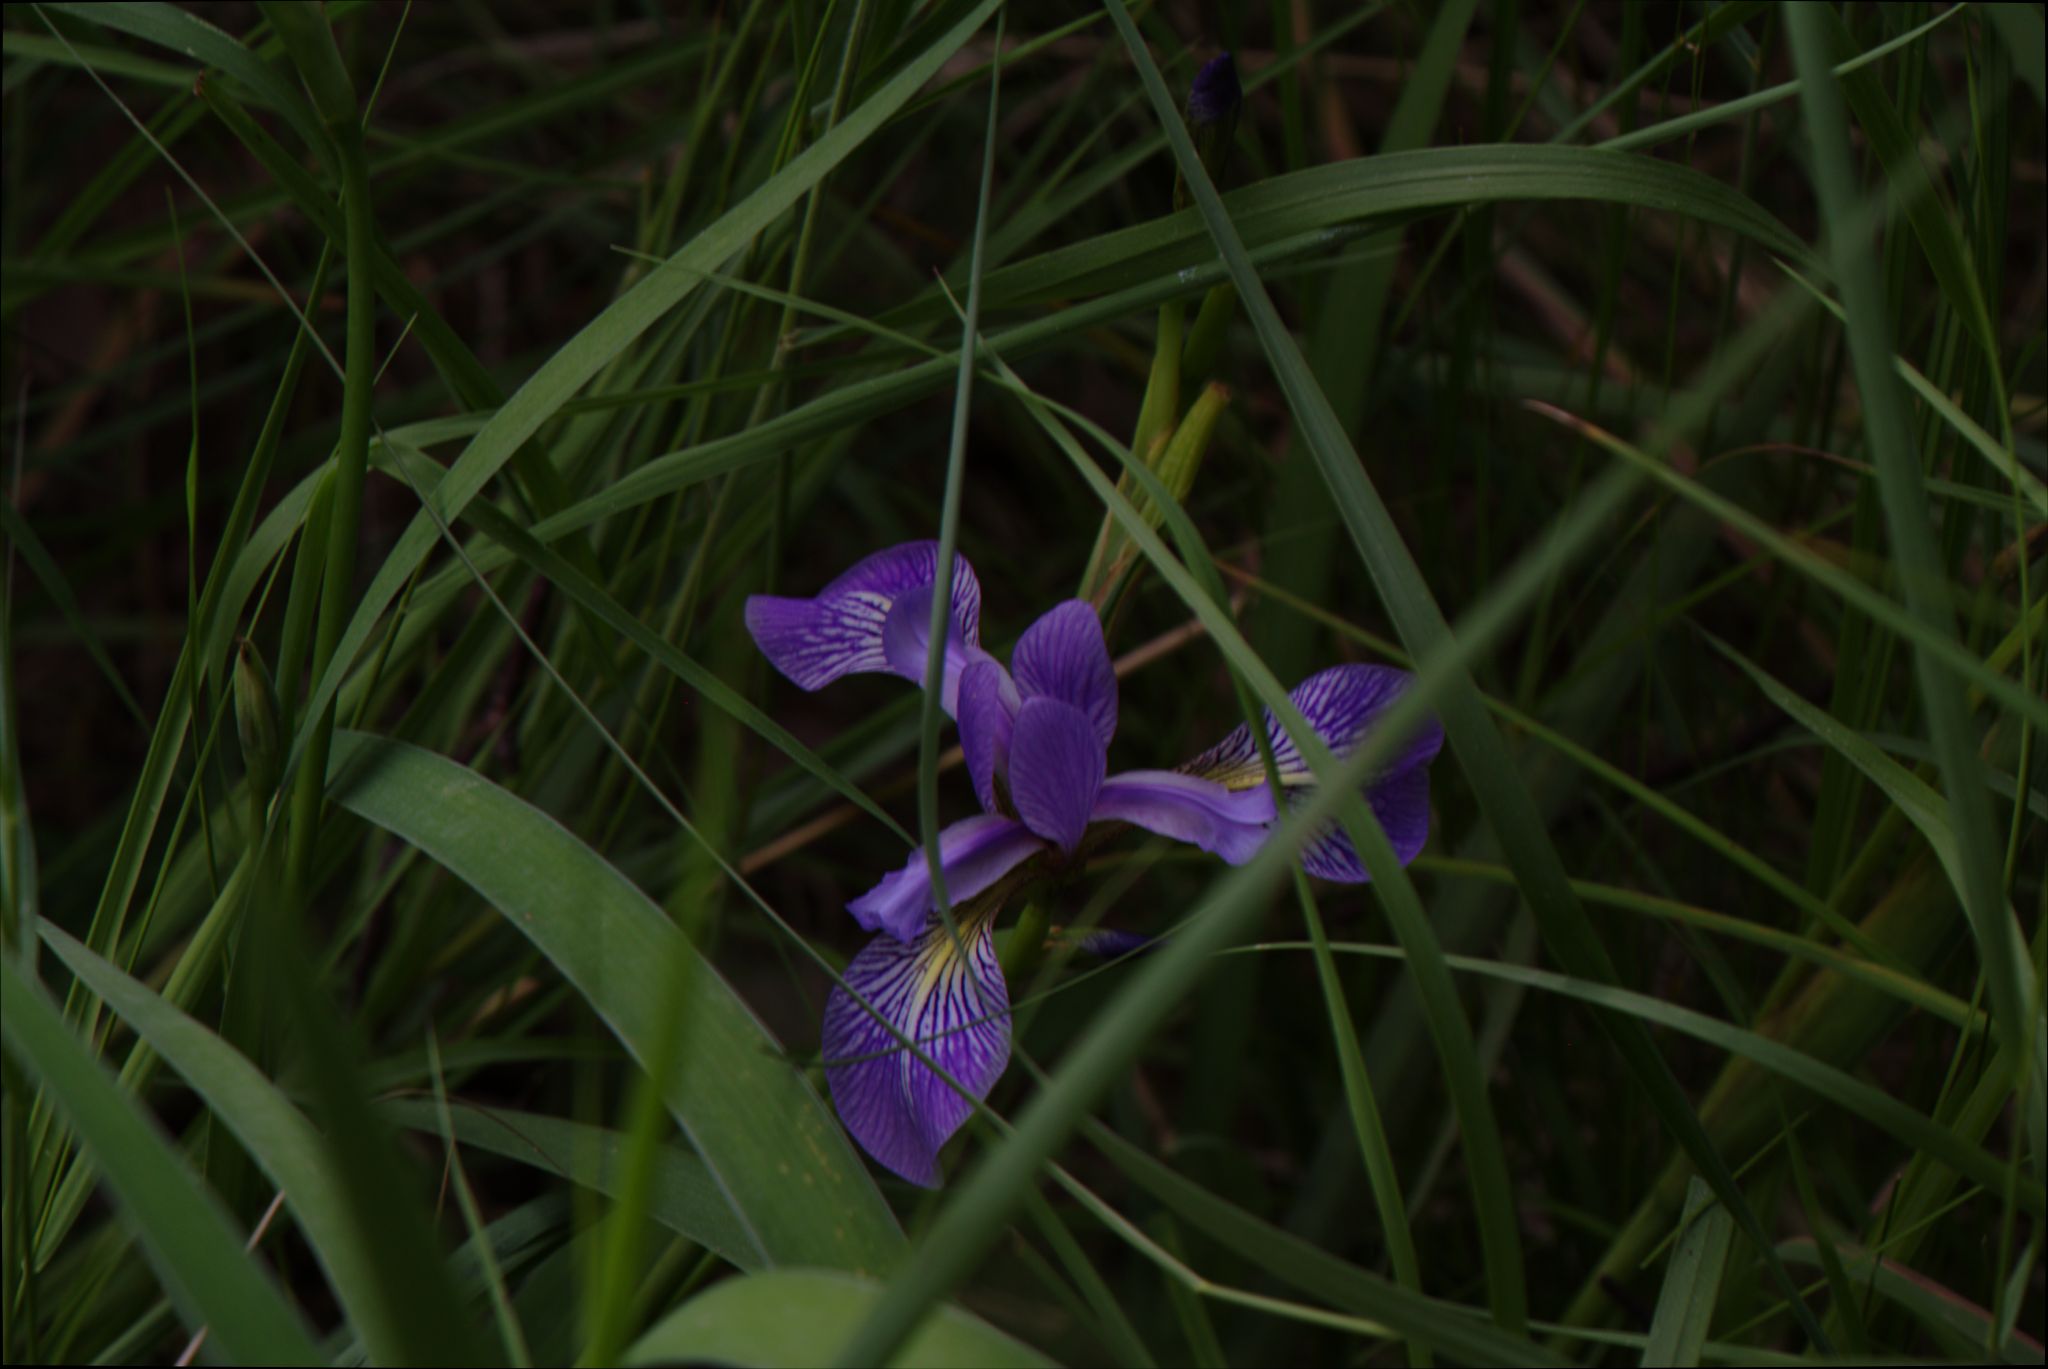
x=987, y=713
x=955, y=1009
x=1056, y=768
x=1401, y=803
x=974, y=852
x=906, y=638
x=841, y=631
x=1342, y=704
x=1230, y=823
x=1062, y=656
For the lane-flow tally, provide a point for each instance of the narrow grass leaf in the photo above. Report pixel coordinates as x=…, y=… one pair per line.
x=683, y=1195
x=1962, y=1328
x=1692, y=1281
x=188, y=35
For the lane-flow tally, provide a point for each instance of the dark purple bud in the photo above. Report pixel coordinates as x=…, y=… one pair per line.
x=1215, y=94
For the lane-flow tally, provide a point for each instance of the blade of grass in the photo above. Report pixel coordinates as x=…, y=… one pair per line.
x=939, y=623
x=684, y=1195
x=1692, y=1281
x=510, y=1333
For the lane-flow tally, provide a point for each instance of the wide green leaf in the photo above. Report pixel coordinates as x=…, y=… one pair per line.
x=799, y=1191
x=794, y=1318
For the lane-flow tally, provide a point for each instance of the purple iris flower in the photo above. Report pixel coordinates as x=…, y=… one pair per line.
x=1036, y=739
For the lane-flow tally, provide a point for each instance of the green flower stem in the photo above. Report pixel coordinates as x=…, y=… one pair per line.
x=1026, y=946
x=351, y=459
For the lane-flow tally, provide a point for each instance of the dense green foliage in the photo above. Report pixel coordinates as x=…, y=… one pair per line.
x=420, y=895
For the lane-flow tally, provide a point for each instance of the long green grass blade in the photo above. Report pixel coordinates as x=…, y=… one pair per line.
x=1692, y=1282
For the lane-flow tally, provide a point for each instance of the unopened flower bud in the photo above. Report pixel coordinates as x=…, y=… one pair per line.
x=1213, y=102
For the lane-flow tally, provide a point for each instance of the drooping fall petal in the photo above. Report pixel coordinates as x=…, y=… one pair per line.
x=956, y=1009
x=1343, y=704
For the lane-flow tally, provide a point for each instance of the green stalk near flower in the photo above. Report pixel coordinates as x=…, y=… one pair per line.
x=1177, y=462
x=1214, y=99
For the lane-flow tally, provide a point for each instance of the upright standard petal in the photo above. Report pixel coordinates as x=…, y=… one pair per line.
x=1056, y=768
x=1062, y=656
x=974, y=852
x=840, y=632
x=1230, y=823
x=987, y=714
x=956, y=1009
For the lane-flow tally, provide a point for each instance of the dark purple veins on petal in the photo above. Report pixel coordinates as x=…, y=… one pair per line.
x=1401, y=803
x=957, y=1010
x=842, y=630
